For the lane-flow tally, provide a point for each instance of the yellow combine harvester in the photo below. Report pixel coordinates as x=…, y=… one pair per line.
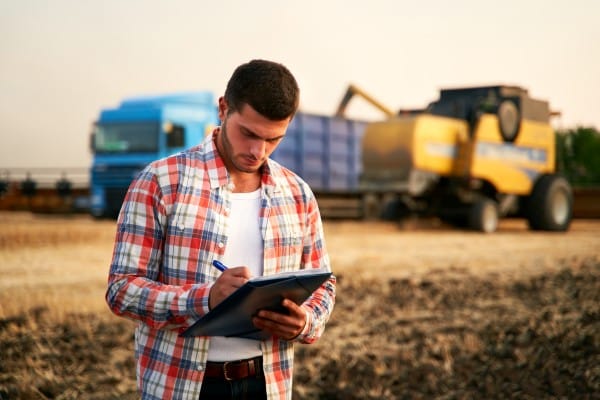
x=471, y=157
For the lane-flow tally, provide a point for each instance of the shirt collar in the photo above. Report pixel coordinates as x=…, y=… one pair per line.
x=218, y=174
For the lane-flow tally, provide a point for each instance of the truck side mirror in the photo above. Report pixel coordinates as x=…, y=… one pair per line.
x=93, y=138
x=175, y=136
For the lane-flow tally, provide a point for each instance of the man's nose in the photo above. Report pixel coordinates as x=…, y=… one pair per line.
x=258, y=149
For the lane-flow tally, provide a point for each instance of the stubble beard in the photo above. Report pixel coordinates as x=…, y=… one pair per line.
x=229, y=154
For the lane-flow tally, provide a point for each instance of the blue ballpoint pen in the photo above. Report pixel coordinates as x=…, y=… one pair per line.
x=219, y=265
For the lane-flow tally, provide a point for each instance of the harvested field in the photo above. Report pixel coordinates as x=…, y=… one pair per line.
x=423, y=311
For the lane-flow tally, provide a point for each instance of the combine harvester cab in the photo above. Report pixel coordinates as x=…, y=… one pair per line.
x=473, y=156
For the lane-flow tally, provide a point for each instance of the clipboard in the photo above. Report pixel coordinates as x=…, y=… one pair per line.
x=233, y=316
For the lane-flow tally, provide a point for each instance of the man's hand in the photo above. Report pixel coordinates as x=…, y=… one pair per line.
x=227, y=283
x=286, y=326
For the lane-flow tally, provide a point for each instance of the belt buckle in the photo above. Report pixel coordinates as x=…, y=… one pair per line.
x=227, y=377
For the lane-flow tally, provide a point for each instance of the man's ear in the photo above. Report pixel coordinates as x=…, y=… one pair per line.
x=223, y=108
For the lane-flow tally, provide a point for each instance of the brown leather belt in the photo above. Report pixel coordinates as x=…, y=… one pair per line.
x=234, y=370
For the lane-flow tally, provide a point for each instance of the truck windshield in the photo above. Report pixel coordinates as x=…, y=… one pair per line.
x=139, y=137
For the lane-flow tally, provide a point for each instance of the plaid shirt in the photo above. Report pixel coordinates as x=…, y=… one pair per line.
x=172, y=225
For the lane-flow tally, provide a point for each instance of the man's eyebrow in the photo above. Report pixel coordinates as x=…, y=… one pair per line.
x=247, y=131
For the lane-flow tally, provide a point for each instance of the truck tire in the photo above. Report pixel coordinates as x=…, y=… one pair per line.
x=393, y=208
x=371, y=206
x=483, y=216
x=550, y=206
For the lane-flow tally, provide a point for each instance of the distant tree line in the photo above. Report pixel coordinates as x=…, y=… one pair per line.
x=578, y=156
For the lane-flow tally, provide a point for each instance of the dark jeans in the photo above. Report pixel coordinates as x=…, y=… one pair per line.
x=242, y=389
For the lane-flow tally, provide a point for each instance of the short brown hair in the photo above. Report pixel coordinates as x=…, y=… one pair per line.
x=268, y=87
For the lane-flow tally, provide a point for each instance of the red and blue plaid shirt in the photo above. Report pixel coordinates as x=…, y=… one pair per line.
x=171, y=226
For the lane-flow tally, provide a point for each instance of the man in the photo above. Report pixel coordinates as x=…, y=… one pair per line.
x=221, y=200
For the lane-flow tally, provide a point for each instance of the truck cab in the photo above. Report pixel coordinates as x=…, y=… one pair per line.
x=138, y=131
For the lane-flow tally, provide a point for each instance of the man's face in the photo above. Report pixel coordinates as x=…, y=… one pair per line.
x=247, y=138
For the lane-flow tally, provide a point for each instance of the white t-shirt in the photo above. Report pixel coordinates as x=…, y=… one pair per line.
x=244, y=248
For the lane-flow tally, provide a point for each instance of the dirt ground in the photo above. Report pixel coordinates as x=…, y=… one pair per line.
x=423, y=311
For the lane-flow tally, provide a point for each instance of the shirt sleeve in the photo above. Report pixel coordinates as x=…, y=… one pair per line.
x=319, y=305
x=134, y=287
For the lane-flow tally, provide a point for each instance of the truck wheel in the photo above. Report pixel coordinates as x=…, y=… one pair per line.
x=393, y=208
x=371, y=206
x=550, y=206
x=483, y=216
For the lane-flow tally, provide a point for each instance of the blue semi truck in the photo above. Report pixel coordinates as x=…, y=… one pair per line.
x=324, y=150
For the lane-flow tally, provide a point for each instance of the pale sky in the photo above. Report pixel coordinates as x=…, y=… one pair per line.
x=61, y=61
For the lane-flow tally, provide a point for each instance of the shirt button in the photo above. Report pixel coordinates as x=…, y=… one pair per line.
x=220, y=245
x=181, y=226
x=200, y=367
